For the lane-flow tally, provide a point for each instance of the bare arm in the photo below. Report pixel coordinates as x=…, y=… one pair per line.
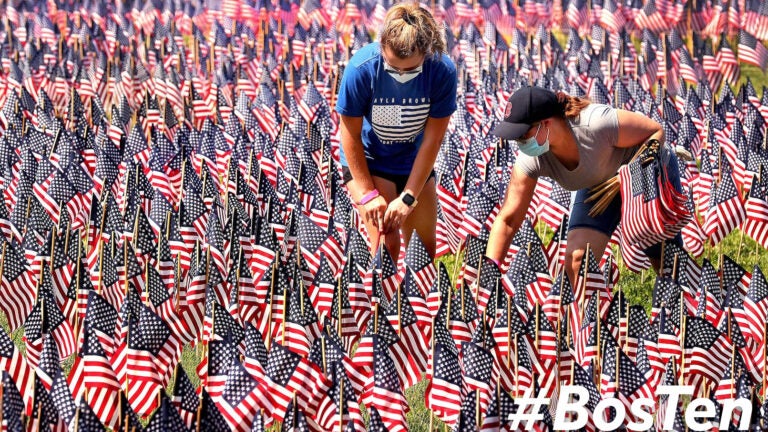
x=636, y=129
x=434, y=131
x=519, y=195
x=352, y=143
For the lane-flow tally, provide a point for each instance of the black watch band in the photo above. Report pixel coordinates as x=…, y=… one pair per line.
x=408, y=199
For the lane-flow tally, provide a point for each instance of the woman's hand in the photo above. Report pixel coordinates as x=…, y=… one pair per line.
x=372, y=212
x=396, y=213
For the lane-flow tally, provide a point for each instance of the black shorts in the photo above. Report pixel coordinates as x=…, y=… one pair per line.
x=400, y=180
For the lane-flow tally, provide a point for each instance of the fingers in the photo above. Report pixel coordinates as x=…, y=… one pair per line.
x=374, y=213
x=389, y=219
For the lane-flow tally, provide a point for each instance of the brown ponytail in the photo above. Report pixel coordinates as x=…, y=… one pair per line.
x=411, y=30
x=571, y=105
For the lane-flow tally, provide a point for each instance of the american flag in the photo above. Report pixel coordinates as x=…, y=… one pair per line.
x=410, y=352
x=12, y=404
x=751, y=50
x=209, y=415
x=384, y=389
x=756, y=209
x=288, y=374
x=85, y=418
x=166, y=416
x=20, y=284
x=664, y=408
x=93, y=371
x=419, y=264
x=185, y=399
x=727, y=61
x=241, y=398
x=521, y=283
x=443, y=393
x=621, y=375
x=707, y=350
x=756, y=305
x=726, y=211
x=498, y=414
x=477, y=372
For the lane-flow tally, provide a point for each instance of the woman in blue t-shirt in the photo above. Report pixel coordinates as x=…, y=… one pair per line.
x=395, y=100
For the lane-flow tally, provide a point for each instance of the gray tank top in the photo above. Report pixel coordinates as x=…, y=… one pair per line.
x=596, y=130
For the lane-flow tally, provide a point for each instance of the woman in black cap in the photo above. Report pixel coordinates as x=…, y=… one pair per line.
x=579, y=145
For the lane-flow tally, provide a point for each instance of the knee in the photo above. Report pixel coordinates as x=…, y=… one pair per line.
x=576, y=257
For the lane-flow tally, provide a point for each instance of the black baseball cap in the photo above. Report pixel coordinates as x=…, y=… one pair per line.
x=526, y=106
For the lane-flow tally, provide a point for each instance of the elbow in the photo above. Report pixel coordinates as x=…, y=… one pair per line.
x=508, y=219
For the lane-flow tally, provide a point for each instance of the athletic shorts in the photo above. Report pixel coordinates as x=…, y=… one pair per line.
x=607, y=221
x=399, y=180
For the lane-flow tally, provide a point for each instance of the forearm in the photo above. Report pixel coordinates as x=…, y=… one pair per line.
x=500, y=238
x=425, y=158
x=658, y=135
x=511, y=215
x=352, y=145
x=358, y=167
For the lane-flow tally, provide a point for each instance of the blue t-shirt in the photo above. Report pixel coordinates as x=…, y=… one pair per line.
x=394, y=114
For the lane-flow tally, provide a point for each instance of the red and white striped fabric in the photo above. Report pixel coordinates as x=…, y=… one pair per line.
x=652, y=209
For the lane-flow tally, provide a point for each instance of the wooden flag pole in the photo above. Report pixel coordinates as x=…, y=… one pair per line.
x=682, y=358
x=733, y=363
x=517, y=367
x=461, y=296
x=340, y=293
x=765, y=361
x=268, y=336
x=285, y=313
x=460, y=252
x=2, y=401
x=341, y=405
x=322, y=352
x=583, y=284
x=477, y=410
x=125, y=264
x=537, y=328
x=399, y=309
x=509, y=330
x=617, y=367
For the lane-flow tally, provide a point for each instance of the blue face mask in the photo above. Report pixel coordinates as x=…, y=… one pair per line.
x=531, y=146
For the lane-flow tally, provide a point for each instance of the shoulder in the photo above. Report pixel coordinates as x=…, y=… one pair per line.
x=529, y=165
x=441, y=64
x=366, y=58
x=596, y=117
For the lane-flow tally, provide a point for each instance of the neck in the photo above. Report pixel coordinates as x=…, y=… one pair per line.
x=562, y=143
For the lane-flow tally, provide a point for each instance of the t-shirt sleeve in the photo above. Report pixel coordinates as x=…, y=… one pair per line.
x=443, y=97
x=530, y=166
x=604, y=121
x=355, y=92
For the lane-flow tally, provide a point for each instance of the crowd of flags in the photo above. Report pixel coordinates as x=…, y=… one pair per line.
x=170, y=180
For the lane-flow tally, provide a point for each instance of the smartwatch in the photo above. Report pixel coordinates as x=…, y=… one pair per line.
x=408, y=199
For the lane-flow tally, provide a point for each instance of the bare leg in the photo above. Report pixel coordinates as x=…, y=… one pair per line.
x=388, y=190
x=575, y=253
x=423, y=218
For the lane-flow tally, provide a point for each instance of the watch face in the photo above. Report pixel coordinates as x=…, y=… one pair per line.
x=408, y=199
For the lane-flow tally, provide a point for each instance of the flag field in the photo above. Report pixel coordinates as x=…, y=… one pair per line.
x=179, y=250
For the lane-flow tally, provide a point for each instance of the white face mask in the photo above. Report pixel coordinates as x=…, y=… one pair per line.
x=402, y=77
